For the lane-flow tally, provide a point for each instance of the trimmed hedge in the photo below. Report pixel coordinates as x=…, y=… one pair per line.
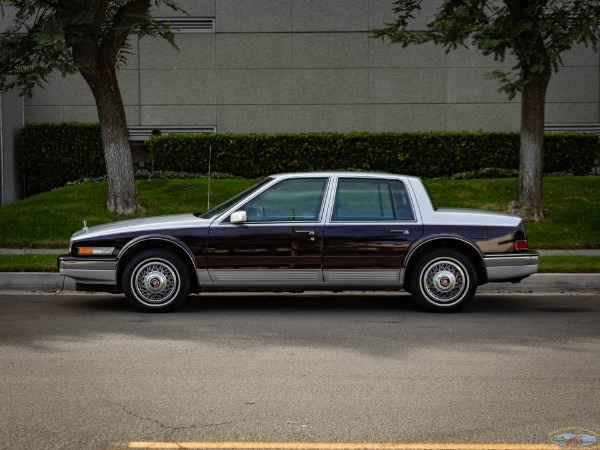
x=53, y=154
x=428, y=155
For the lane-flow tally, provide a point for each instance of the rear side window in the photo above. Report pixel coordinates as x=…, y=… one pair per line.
x=363, y=199
x=402, y=205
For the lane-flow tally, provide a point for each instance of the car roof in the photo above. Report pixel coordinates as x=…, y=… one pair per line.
x=339, y=173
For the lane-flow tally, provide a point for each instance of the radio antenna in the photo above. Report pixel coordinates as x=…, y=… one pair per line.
x=209, y=163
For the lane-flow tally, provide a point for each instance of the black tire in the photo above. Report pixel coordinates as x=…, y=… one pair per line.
x=443, y=281
x=156, y=280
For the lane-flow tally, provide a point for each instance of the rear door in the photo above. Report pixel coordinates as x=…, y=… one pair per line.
x=371, y=225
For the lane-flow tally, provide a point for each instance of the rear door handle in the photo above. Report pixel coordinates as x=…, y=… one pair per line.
x=307, y=232
x=400, y=231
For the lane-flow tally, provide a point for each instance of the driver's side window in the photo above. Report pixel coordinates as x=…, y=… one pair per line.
x=290, y=200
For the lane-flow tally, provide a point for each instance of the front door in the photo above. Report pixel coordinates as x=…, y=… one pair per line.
x=279, y=244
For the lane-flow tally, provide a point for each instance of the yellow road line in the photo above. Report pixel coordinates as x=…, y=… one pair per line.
x=332, y=446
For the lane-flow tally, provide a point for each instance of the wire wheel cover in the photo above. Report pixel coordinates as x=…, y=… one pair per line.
x=444, y=281
x=155, y=282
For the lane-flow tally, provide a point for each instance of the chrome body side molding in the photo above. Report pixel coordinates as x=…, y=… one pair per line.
x=268, y=277
x=361, y=277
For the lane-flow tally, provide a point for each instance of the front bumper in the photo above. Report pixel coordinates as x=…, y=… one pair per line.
x=89, y=271
x=511, y=267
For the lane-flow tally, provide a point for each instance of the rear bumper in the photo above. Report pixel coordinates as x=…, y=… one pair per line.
x=511, y=267
x=100, y=272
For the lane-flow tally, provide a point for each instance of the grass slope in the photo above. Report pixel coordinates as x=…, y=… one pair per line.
x=48, y=220
x=571, y=207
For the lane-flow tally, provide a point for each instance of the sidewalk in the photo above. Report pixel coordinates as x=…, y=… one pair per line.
x=537, y=283
x=569, y=252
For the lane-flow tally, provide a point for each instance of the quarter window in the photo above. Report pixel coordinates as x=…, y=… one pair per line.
x=371, y=200
x=297, y=200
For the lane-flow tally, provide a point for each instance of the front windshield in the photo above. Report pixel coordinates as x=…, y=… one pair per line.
x=219, y=209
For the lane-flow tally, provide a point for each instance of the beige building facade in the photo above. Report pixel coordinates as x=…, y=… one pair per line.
x=274, y=66
x=311, y=65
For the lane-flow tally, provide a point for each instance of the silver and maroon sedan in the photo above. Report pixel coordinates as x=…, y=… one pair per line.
x=306, y=231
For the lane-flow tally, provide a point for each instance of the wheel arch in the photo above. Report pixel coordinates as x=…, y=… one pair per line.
x=459, y=244
x=154, y=242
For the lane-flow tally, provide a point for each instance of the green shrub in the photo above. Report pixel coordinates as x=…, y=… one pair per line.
x=428, y=155
x=159, y=175
x=54, y=153
x=486, y=172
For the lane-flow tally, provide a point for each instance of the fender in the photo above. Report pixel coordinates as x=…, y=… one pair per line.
x=158, y=237
x=430, y=238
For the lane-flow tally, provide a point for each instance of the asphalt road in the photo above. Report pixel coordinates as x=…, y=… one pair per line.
x=86, y=372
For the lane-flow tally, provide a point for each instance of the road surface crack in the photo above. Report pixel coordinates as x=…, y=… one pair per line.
x=171, y=427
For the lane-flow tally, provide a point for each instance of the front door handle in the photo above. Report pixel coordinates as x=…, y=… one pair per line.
x=309, y=232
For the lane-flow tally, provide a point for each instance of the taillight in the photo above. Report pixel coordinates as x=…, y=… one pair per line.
x=521, y=245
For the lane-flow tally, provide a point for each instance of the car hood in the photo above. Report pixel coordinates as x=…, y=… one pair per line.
x=146, y=224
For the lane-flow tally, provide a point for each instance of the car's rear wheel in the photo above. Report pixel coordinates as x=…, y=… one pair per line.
x=156, y=280
x=443, y=281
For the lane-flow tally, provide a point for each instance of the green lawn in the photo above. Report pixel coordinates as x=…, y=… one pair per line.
x=28, y=263
x=48, y=220
x=571, y=206
x=569, y=264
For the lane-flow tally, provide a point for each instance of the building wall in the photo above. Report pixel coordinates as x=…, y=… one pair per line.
x=310, y=65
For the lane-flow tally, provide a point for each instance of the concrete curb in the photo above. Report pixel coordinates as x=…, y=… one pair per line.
x=537, y=283
x=35, y=281
x=549, y=282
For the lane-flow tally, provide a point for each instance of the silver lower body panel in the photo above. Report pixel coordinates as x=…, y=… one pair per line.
x=249, y=279
x=89, y=271
x=511, y=267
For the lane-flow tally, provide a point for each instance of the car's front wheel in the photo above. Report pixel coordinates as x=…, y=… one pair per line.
x=443, y=281
x=156, y=280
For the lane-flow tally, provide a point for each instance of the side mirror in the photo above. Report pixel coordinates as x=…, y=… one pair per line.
x=239, y=217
